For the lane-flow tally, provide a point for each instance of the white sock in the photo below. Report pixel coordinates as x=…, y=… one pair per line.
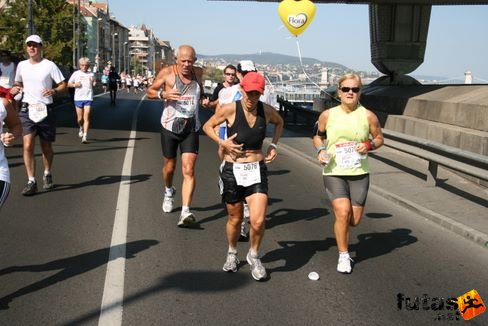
x=32, y=179
x=46, y=173
x=169, y=191
x=185, y=209
x=344, y=254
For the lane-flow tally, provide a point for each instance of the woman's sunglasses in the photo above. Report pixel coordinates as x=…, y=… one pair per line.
x=347, y=89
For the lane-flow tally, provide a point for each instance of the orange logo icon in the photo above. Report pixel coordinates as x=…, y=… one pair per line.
x=470, y=304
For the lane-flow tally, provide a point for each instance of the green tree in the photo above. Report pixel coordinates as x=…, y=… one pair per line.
x=212, y=73
x=53, y=22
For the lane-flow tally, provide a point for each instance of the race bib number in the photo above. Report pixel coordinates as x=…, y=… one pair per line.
x=347, y=156
x=37, y=112
x=186, y=106
x=247, y=174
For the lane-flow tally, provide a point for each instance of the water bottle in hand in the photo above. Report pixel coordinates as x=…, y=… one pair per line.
x=324, y=157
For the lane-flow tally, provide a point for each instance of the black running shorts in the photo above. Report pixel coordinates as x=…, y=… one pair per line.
x=188, y=143
x=232, y=193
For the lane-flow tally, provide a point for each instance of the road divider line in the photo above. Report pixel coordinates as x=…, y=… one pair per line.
x=113, y=292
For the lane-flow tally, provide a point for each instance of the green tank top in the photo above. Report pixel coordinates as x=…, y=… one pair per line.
x=344, y=130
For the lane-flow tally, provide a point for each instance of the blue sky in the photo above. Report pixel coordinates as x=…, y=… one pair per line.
x=338, y=32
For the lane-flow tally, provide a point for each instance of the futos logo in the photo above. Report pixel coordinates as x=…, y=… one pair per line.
x=425, y=302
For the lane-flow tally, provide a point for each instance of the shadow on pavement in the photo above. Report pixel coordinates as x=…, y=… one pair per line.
x=289, y=215
x=371, y=245
x=183, y=281
x=69, y=267
x=296, y=254
x=99, y=181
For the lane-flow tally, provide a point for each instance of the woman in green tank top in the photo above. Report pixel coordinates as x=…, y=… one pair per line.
x=342, y=142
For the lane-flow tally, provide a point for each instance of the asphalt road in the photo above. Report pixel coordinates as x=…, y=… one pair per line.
x=97, y=249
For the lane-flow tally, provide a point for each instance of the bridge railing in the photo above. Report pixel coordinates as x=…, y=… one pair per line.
x=468, y=163
x=290, y=110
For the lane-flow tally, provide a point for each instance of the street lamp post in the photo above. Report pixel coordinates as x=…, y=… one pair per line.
x=97, y=56
x=113, y=47
x=118, y=56
x=78, y=31
x=125, y=56
x=30, y=19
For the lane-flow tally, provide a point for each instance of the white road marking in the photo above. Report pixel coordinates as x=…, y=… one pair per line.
x=113, y=291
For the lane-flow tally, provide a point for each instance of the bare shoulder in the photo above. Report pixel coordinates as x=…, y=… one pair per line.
x=165, y=72
x=165, y=77
x=324, y=114
x=229, y=108
x=268, y=108
x=371, y=115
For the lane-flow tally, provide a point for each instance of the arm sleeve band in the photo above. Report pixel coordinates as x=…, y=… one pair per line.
x=317, y=132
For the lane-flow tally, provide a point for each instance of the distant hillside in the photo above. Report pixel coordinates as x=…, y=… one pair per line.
x=269, y=58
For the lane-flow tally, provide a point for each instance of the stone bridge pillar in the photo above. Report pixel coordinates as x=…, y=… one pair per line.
x=398, y=40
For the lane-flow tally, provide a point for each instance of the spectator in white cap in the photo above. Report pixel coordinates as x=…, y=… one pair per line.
x=35, y=77
x=244, y=172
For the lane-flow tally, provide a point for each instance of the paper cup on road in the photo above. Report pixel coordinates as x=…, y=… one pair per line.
x=314, y=276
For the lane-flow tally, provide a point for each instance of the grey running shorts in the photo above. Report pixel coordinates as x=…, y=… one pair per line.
x=353, y=187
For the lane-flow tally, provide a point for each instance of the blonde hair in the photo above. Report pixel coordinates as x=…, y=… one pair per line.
x=84, y=60
x=348, y=76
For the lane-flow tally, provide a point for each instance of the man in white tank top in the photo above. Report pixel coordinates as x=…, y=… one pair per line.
x=179, y=86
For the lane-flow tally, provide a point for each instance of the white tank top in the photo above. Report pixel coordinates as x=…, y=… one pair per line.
x=186, y=107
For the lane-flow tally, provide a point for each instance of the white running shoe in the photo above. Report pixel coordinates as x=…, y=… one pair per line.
x=83, y=139
x=258, y=271
x=169, y=201
x=80, y=133
x=186, y=219
x=344, y=264
x=231, y=262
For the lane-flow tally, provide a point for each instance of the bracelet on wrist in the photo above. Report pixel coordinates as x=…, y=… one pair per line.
x=161, y=95
x=373, y=145
x=273, y=145
x=367, y=143
x=321, y=148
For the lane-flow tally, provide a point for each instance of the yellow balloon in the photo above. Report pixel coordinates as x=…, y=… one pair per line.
x=296, y=14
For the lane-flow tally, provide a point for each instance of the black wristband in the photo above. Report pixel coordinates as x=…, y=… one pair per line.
x=373, y=146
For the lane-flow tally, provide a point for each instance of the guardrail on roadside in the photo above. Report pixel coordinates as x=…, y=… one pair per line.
x=472, y=164
x=287, y=107
x=468, y=163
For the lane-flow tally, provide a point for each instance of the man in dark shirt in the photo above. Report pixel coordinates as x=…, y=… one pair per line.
x=113, y=78
x=229, y=80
